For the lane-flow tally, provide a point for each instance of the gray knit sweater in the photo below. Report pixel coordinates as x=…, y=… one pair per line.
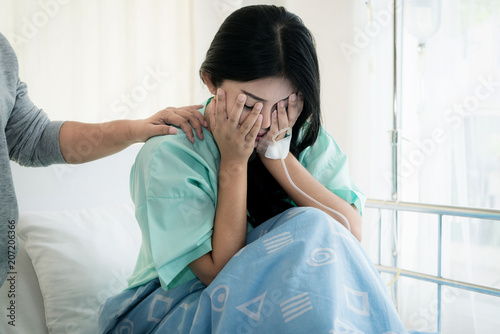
x=28, y=137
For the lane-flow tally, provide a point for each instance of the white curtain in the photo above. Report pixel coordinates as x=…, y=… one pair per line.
x=97, y=60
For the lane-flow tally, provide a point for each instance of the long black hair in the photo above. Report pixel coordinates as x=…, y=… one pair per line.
x=264, y=41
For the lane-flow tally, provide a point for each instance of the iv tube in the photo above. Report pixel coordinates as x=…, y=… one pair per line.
x=303, y=193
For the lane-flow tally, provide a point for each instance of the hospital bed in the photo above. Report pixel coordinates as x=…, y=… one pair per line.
x=79, y=240
x=390, y=216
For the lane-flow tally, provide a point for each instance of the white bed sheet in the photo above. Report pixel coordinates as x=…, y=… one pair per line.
x=29, y=312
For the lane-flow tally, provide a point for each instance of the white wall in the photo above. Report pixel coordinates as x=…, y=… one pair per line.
x=72, y=187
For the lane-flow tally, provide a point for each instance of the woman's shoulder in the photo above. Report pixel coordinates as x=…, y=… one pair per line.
x=164, y=163
x=324, y=142
x=172, y=151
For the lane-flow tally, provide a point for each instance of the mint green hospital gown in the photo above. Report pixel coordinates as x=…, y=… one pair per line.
x=173, y=184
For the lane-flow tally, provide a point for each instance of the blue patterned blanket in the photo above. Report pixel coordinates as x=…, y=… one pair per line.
x=301, y=272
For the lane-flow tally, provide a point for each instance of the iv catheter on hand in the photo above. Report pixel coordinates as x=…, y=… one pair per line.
x=278, y=149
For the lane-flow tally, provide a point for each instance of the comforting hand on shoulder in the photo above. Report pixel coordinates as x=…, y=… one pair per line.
x=187, y=118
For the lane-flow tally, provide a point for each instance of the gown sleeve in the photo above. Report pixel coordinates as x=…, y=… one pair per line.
x=175, y=196
x=328, y=164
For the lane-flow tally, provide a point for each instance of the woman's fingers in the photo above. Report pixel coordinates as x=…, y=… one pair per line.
x=186, y=118
x=282, y=117
x=252, y=124
x=220, y=111
x=194, y=109
x=279, y=121
x=295, y=105
x=235, y=114
x=210, y=112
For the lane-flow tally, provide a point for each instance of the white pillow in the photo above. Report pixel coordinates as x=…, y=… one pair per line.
x=80, y=258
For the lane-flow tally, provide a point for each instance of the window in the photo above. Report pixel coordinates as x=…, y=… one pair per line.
x=449, y=122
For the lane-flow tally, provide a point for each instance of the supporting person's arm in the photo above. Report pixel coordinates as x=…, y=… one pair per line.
x=84, y=142
x=235, y=143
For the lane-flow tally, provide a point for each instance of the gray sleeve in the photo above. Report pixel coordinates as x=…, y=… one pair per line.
x=33, y=140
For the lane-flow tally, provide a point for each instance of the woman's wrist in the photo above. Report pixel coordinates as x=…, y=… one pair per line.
x=271, y=162
x=235, y=166
x=232, y=172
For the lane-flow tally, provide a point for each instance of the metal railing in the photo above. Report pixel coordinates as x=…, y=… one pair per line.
x=440, y=211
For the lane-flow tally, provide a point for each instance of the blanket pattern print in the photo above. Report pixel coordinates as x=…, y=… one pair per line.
x=300, y=272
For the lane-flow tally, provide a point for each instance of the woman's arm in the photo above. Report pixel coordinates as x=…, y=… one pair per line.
x=301, y=176
x=308, y=184
x=230, y=222
x=235, y=144
x=84, y=142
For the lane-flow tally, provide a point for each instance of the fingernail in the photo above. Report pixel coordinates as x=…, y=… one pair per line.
x=275, y=114
x=241, y=97
x=172, y=130
x=219, y=91
x=282, y=104
x=258, y=106
x=293, y=97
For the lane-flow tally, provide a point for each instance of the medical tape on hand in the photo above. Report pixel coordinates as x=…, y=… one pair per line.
x=279, y=149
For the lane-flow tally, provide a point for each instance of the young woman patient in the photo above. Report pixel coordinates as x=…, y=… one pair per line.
x=227, y=240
